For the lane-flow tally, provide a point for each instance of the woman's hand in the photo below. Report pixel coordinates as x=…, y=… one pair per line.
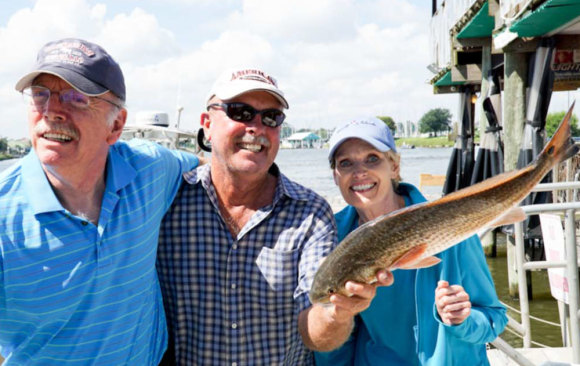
x=452, y=303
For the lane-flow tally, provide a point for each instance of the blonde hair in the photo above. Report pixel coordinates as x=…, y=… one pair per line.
x=396, y=159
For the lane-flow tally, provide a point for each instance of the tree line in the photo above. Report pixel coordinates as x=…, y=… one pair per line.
x=438, y=120
x=3, y=145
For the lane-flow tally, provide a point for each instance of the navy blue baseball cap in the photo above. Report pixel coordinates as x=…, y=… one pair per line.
x=369, y=129
x=84, y=65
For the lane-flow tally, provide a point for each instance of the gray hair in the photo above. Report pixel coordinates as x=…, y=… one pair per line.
x=115, y=109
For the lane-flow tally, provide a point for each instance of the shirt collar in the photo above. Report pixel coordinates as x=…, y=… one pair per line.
x=119, y=172
x=40, y=193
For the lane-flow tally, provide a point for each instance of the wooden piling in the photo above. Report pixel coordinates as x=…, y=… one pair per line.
x=514, y=114
x=488, y=240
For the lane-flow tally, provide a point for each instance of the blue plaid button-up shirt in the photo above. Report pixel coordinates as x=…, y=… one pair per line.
x=235, y=300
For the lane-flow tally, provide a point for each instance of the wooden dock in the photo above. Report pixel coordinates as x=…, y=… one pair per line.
x=556, y=356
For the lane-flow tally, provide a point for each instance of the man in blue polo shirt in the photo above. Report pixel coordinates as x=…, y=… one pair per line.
x=79, y=221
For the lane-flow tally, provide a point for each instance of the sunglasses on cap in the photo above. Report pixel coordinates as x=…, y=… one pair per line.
x=242, y=112
x=39, y=97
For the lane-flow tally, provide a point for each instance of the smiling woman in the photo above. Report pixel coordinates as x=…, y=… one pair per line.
x=366, y=169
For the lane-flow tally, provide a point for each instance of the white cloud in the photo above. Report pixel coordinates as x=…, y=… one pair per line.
x=315, y=21
x=137, y=38
x=185, y=80
x=335, y=59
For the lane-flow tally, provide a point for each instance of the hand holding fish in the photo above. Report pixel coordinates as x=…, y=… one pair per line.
x=324, y=328
x=362, y=295
x=452, y=303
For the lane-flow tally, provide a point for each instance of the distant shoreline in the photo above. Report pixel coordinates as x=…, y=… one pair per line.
x=441, y=141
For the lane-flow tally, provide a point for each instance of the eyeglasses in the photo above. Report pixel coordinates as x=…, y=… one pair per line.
x=242, y=112
x=39, y=96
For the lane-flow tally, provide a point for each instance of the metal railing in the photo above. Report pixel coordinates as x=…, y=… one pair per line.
x=570, y=264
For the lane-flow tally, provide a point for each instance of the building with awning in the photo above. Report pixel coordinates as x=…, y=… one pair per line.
x=301, y=140
x=504, y=58
x=467, y=34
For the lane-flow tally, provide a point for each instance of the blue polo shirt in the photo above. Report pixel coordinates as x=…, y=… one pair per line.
x=72, y=293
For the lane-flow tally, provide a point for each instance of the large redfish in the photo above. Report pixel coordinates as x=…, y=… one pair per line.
x=410, y=237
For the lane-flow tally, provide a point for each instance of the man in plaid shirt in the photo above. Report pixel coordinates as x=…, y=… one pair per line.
x=240, y=246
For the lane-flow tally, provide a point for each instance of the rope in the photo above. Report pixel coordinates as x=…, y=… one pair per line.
x=521, y=337
x=531, y=316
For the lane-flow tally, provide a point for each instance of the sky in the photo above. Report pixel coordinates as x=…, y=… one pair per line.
x=335, y=60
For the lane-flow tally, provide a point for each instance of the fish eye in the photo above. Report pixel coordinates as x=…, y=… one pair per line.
x=331, y=290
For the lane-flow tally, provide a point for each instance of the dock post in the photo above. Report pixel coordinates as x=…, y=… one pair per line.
x=514, y=114
x=522, y=284
x=572, y=274
x=488, y=241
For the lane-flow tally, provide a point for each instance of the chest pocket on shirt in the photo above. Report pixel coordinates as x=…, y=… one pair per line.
x=280, y=270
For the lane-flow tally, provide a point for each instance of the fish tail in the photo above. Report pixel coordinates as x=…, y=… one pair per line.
x=561, y=146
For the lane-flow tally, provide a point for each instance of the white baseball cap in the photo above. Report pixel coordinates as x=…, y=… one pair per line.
x=234, y=82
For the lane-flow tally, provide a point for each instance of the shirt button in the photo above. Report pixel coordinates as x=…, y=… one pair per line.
x=235, y=246
x=234, y=364
x=234, y=286
x=234, y=325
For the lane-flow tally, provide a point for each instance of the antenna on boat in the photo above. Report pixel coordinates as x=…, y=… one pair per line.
x=178, y=103
x=179, y=110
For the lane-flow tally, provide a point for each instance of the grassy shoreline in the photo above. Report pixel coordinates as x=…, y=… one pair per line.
x=6, y=157
x=441, y=141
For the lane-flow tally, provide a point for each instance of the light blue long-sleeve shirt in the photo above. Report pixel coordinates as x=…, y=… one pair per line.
x=402, y=326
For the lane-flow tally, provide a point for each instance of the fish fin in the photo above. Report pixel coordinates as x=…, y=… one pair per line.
x=561, y=146
x=423, y=263
x=412, y=259
x=410, y=256
x=515, y=214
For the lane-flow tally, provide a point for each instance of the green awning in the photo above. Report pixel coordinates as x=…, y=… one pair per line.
x=549, y=16
x=445, y=80
x=481, y=25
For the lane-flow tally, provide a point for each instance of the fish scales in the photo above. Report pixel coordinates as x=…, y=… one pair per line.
x=437, y=225
x=408, y=227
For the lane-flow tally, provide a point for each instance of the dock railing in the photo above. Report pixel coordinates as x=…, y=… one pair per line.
x=570, y=264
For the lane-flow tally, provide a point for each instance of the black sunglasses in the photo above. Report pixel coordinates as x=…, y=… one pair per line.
x=242, y=112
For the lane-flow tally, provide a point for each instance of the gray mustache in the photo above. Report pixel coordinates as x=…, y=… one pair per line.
x=43, y=128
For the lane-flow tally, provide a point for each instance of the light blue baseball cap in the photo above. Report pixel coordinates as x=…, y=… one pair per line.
x=369, y=129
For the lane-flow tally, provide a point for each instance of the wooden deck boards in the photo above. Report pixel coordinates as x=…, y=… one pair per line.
x=558, y=356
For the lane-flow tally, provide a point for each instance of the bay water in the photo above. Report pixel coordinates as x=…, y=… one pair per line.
x=6, y=163
x=310, y=168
